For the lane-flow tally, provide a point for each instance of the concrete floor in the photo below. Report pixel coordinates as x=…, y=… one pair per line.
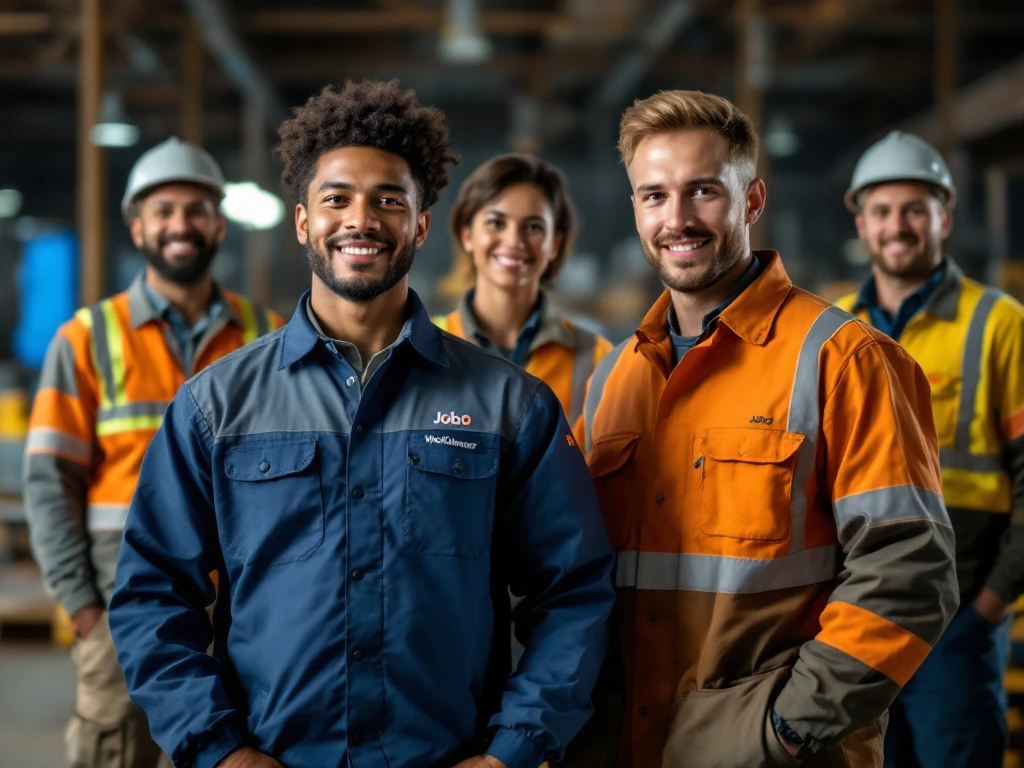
x=37, y=690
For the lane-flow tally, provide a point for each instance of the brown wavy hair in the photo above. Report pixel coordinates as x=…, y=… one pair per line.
x=486, y=183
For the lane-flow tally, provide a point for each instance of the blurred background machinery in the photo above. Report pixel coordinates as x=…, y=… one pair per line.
x=87, y=85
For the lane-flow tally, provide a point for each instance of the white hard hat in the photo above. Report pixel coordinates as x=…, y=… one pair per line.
x=169, y=161
x=900, y=157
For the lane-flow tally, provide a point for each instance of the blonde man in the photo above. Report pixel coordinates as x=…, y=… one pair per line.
x=768, y=472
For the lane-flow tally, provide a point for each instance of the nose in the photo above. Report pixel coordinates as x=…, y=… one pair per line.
x=512, y=237
x=678, y=214
x=360, y=217
x=178, y=221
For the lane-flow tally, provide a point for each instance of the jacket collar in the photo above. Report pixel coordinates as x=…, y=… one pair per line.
x=142, y=311
x=751, y=314
x=944, y=299
x=551, y=329
x=300, y=337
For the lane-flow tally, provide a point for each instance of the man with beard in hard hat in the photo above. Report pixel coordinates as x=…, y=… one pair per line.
x=969, y=339
x=108, y=376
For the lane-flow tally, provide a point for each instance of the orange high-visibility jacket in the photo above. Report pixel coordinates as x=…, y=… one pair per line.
x=562, y=354
x=108, y=376
x=776, y=504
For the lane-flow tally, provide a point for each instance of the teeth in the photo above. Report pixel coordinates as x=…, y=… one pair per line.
x=360, y=251
x=507, y=262
x=686, y=248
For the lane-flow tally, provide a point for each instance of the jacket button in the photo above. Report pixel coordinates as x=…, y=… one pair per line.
x=357, y=655
x=660, y=499
x=360, y=429
x=642, y=711
x=357, y=493
x=357, y=575
x=264, y=466
x=458, y=466
x=414, y=458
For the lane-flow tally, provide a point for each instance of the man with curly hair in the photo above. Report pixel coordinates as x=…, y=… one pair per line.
x=368, y=490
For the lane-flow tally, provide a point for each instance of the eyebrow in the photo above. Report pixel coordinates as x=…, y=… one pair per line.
x=386, y=187
x=496, y=212
x=689, y=183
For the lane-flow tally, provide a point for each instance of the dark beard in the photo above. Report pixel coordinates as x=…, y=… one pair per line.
x=184, y=274
x=726, y=255
x=356, y=289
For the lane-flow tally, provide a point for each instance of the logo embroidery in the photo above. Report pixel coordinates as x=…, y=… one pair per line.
x=450, y=418
x=761, y=419
x=570, y=441
x=450, y=441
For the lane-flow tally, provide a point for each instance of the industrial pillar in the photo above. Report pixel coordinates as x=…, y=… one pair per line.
x=92, y=165
x=255, y=164
x=193, y=62
x=753, y=72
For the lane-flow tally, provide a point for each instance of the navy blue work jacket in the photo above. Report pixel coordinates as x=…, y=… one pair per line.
x=365, y=544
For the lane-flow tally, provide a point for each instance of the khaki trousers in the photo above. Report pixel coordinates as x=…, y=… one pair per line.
x=106, y=730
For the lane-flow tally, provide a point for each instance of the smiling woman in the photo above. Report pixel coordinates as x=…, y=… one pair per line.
x=513, y=226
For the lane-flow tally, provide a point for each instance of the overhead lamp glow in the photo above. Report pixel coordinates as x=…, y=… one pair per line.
x=461, y=40
x=10, y=203
x=252, y=207
x=780, y=140
x=113, y=129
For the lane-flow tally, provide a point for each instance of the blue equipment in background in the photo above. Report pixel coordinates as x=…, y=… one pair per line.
x=48, y=293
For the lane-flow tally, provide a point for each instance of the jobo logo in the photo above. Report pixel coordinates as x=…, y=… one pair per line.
x=450, y=418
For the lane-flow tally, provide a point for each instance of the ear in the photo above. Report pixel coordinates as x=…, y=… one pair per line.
x=947, y=222
x=466, y=239
x=558, y=242
x=756, y=196
x=135, y=228
x=862, y=231
x=422, y=227
x=301, y=223
x=636, y=212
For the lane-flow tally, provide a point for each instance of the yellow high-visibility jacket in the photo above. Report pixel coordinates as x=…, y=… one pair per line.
x=969, y=339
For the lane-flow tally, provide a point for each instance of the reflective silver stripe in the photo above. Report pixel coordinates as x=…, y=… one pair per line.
x=51, y=441
x=950, y=458
x=725, y=575
x=102, y=351
x=262, y=321
x=132, y=410
x=970, y=377
x=895, y=504
x=582, y=365
x=106, y=517
x=597, y=382
x=804, y=412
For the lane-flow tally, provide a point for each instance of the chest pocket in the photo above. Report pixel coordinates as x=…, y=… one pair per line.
x=611, y=463
x=945, y=406
x=449, y=497
x=274, y=506
x=747, y=482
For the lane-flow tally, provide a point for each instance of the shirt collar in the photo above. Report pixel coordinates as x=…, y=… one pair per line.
x=750, y=315
x=300, y=337
x=146, y=305
x=942, y=291
x=751, y=273
x=545, y=319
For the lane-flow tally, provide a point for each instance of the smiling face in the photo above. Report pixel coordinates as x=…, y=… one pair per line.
x=902, y=225
x=512, y=238
x=693, y=206
x=361, y=224
x=178, y=228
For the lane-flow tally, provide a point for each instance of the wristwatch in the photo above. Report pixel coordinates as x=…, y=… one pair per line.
x=796, y=744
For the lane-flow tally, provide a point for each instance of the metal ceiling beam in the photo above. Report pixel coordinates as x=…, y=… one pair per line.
x=309, y=22
x=225, y=46
x=15, y=23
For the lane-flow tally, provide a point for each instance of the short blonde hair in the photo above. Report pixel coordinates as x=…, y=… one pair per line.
x=668, y=111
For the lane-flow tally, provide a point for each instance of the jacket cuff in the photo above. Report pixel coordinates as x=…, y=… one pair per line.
x=515, y=749
x=76, y=597
x=224, y=740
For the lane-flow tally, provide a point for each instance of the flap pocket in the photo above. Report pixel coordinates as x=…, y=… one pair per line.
x=467, y=464
x=747, y=482
x=253, y=462
x=757, y=446
x=611, y=454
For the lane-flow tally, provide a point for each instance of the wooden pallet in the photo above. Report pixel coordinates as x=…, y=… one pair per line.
x=27, y=612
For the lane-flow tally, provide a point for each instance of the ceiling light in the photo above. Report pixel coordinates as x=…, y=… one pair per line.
x=780, y=140
x=252, y=207
x=113, y=128
x=461, y=40
x=10, y=203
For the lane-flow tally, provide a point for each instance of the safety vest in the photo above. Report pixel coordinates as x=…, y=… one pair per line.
x=126, y=372
x=562, y=355
x=767, y=522
x=969, y=339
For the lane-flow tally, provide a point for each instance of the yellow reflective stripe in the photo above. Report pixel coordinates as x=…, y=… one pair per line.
x=115, y=348
x=127, y=424
x=84, y=316
x=441, y=321
x=249, y=330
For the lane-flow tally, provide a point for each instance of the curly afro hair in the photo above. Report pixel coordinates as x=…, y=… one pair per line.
x=367, y=114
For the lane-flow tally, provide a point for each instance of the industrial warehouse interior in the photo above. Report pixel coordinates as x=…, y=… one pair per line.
x=88, y=86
